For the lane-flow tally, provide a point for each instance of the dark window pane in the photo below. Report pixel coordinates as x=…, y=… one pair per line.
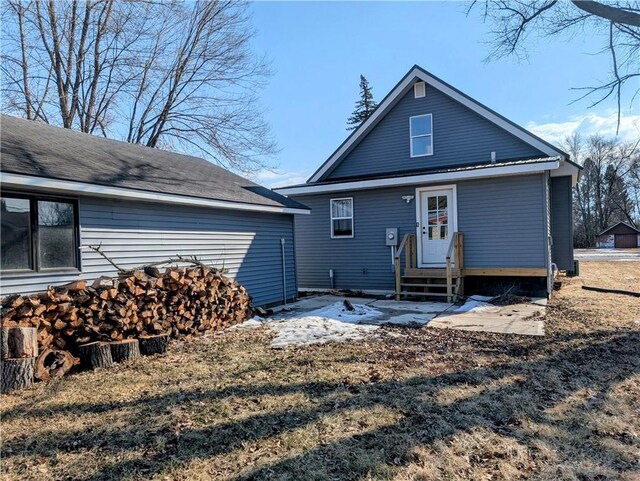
x=343, y=227
x=16, y=235
x=55, y=234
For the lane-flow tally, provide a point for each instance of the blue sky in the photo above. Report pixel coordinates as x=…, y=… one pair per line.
x=318, y=50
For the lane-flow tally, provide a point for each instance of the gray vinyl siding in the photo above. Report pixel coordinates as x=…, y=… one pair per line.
x=460, y=136
x=562, y=222
x=136, y=233
x=502, y=220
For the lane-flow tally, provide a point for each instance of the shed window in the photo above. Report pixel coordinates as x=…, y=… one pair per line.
x=342, y=217
x=38, y=233
x=421, y=135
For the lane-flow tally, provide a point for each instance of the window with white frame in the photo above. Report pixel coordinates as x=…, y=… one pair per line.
x=421, y=135
x=342, y=217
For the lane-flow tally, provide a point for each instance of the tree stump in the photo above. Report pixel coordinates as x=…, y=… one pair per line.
x=95, y=354
x=150, y=345
x=16, y=373
x=54, y=363
x=124, y=350
x=18, y=342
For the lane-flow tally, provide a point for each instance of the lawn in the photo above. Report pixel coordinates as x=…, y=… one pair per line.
x=416, y=404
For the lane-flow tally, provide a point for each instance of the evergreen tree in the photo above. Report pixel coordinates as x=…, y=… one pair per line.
x=364, y=106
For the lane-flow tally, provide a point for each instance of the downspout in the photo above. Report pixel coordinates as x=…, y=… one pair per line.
x=284, y=272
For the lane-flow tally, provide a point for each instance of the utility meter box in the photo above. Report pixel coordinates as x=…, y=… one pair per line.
x=391, y=238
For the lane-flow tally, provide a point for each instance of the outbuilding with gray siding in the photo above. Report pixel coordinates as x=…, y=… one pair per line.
x=63, y=191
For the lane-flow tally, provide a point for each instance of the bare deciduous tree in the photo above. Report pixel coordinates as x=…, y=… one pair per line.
x=608, y=189
x=617, y=23
x=171, y=74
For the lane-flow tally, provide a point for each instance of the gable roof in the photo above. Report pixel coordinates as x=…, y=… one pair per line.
x=33, y=150
x=418, y=73
x=616, y=225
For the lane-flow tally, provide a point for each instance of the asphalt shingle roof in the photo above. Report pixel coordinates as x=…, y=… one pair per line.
x=41, y=150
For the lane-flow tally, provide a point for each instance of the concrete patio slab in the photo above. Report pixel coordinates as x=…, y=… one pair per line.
x=525, y=319
x=324, y=318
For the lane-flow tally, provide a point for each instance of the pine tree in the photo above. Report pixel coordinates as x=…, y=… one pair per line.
x=364, y=106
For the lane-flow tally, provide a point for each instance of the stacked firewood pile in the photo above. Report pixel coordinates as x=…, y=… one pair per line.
x=144, y=304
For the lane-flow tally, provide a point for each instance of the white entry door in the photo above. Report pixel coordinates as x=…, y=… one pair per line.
x=436, y=224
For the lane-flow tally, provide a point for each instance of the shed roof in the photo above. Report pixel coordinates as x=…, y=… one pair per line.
x=35, y=149
x=625, y=227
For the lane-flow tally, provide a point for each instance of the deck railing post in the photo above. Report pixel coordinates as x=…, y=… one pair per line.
x=449, y=281
x=398, y=278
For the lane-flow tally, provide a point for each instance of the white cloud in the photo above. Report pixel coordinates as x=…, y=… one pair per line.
x=272, y=179
x=586, y=125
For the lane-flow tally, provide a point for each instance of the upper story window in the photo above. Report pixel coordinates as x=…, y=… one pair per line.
x=421, y=135
x=38, y=233
x=342, y=217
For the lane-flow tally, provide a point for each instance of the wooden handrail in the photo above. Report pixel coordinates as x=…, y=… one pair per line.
x=452, y=244
x=402, y=244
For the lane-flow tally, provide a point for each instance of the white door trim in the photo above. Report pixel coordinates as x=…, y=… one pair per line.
x=454, y=214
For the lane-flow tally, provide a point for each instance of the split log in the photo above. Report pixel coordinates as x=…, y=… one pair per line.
x=18, y=342
x=348, y=306
x=95, y=354
x=124, y=350
x=150, y=345
x=54, y=363
x=16, y=373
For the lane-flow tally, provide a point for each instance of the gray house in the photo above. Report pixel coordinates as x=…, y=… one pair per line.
x=433, y=193
x=64, y=190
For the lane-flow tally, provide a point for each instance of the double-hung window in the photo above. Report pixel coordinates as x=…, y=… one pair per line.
x=38, y=233
x=342, y=217
x=421, y=135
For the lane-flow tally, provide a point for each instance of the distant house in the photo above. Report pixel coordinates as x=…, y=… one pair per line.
x=436, y=187
x=64, y=190
x=619, y=236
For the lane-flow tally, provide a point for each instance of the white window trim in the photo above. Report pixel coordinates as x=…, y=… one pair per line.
x=417, y=86
x=353, y=224
x=411, y=136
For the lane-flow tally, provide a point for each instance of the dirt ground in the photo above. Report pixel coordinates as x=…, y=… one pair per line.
x=417, y=404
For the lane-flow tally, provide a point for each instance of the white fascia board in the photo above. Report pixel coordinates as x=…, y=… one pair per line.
x=81, y=188
x=464, y=100
x=422, y=179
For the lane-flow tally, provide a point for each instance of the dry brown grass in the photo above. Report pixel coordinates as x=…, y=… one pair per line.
x=421, y=404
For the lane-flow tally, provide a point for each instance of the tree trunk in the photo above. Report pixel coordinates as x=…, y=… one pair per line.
x=54, y=363
x=125, y=350
x=18, y=342
x=150, y=345
x=95, y=354
x=16, y=373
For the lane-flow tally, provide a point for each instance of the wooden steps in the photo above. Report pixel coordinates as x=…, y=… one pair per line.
x=444, y=282
x=423, y=294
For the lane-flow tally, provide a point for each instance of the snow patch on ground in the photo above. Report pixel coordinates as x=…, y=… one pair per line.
x=338, y=312
x=304, y=331
x=332, y=323
x=475, y=304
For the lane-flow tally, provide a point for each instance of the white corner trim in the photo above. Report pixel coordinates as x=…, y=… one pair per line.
x=519, y=132
x=479, y=173
x=80, y=188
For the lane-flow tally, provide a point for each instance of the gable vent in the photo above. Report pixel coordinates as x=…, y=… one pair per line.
x=419, y=89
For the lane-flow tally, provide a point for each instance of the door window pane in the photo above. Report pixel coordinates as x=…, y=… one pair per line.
x=57, y=246
x=16, y=233
x=442, y=202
